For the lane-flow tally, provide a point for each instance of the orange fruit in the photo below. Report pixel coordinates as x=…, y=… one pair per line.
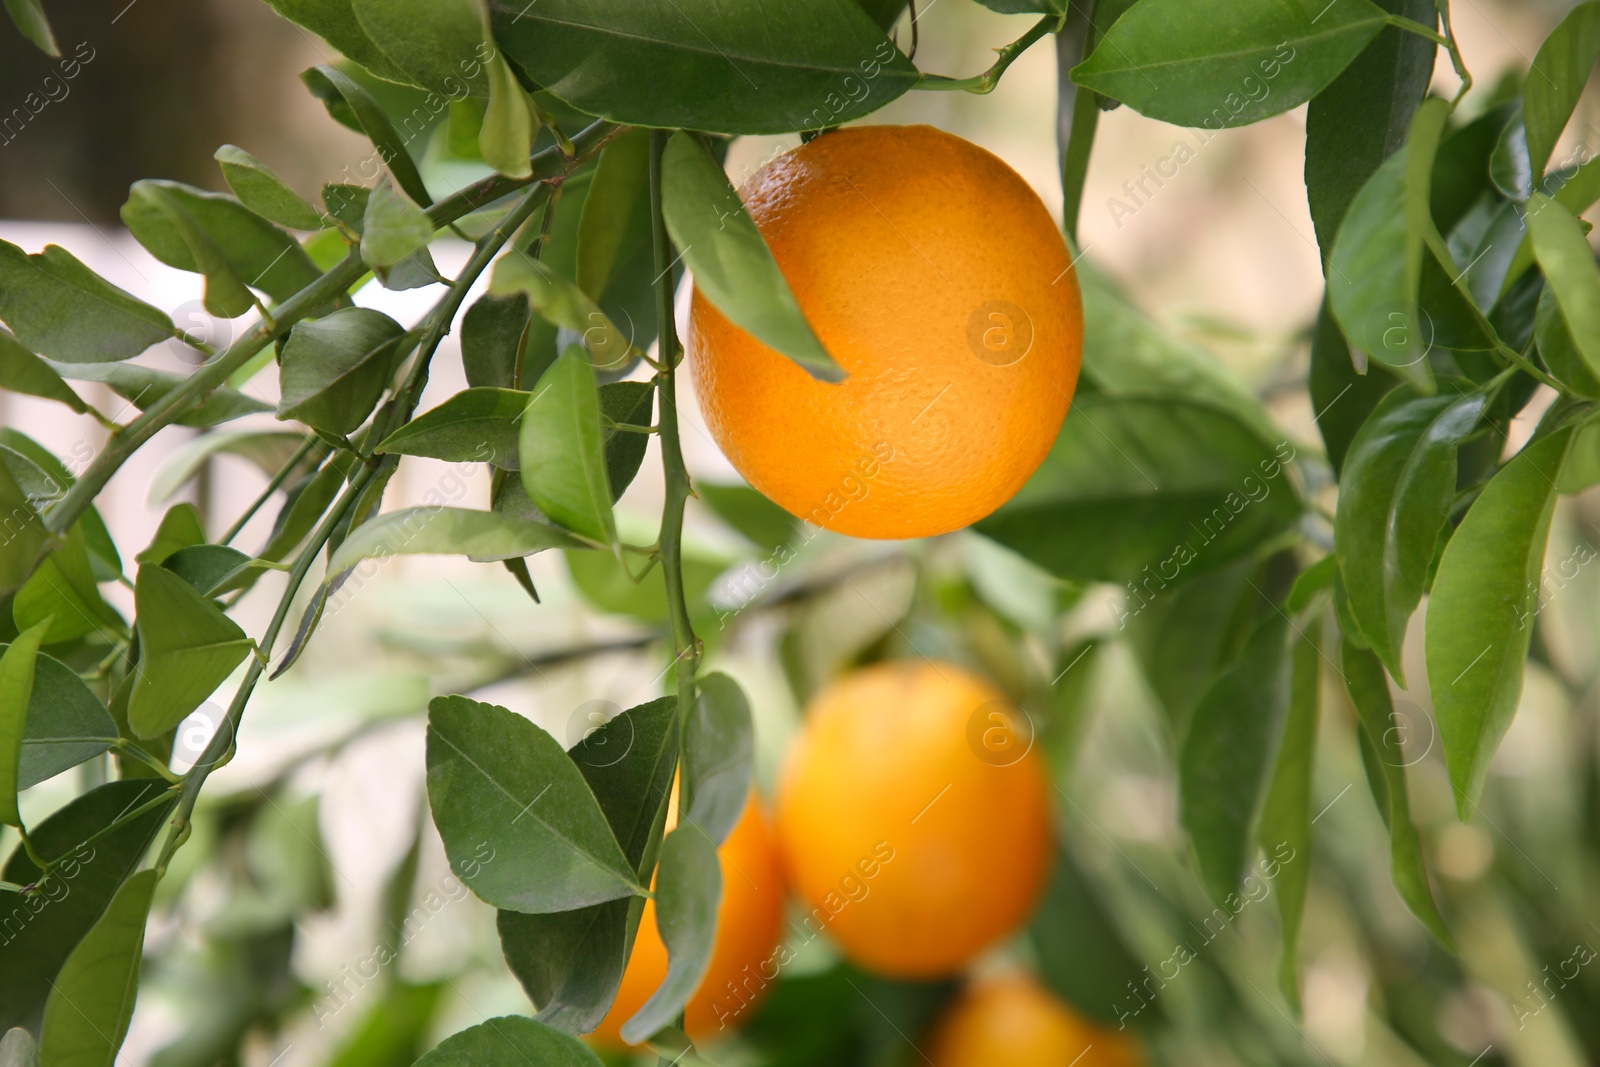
x=914, y=817
x=744, y=956
x=1010, y=1019
x=936, y=278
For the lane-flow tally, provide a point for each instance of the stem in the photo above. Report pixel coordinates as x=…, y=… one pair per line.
x=211, y=374
x=985, y=82
x=1446, y=40
x=1075, y=124
x=272, y=487
x=123, y=747
x=686, y=646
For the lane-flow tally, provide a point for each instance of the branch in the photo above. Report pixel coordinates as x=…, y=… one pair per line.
x=985, y=82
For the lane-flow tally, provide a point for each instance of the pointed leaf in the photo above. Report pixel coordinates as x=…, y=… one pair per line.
x=1556, y=80
x=563, y=451
x=269, y=450
x=438, y=43
x=519, y=823
x=91, y=1002
x=25, y=535
x=211, y=569
x=1397, y=490
x=476, y=425
x=1286, y=817
x=749, y=512
x=28, y=15
x=64, y=589
x=1480, y=615
x=1083, y=955
x=688, y=889
x=1569, y=268
x=256, y=252
x=23, y=372
x=510, y=1041
x=180, y=527
x=733, y=268
x=561, y=303
x=505, y=140
x=1369, y=692
x=718, y=752
x=1219, y=63
x=65, y=724
x=338, y=91
x=59, y=308
x=263, y=192
x=83, y=879
x=226, y=295
x=1559, y=351
x=144, y=387
x=335, y=22
x=1227, y=756
x=629, y=403
x=16, y=691
x=393, y=227
x=729, y=69
x=620, y=189
x=188, y=647
x=335, y=368
x=483, y=536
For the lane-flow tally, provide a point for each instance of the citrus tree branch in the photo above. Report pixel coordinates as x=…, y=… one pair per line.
x=985, y=82
x=1077, y=114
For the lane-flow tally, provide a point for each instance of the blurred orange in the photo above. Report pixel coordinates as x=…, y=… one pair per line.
x=744, y=956
x=1011, y=1020
x=914, y=817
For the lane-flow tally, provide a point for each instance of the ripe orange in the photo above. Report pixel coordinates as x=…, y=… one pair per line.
x=914, y=817
x=1010, y=1019
x=745, y=953
x=936, y=278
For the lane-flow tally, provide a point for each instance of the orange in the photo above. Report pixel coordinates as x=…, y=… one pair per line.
x=745, y=954
x=936, y=278
x=914, y=817
x=1010, y=1019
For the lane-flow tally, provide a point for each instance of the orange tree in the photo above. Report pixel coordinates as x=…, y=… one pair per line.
x=1460, y=287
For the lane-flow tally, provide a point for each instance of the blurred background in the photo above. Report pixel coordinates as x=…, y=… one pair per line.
x=318, y=831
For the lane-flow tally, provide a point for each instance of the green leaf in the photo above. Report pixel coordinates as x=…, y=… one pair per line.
x=438, y=43
x=629, y=403
x=17, y=1049
x=180, y=527
x=187, y=646
x=144, y=387
x=1508, y=163
x=1286, y=815
x=1569, y=268
x=25, y=536
x=718, y=754
x=337, y=90
x=475, y=425
x=570, y=963
x=510, y=1041
x=1556, y=80
x=1083, y=955
x=620, y=189
x=335, y=368
x=563, y=451
x=23, y=372
x=506, y=138
x=393, y=227
x=226, y=294
x=211, y=568
x=1480, y=614
x=1220, y=63
x=348, y=204
x=91, y=1002
x=224, y=236
x=59, y=308
x=520, y=825
x=16, y=691
x=83, y=879
x=1375, y=268
x=1369, y=693
x=64, y=589
x=65, y=724
x=1137, y=482
x=1362, y=117
x=28, y=15
x=561, y=303
x=269, y=450
x=1398, y=485
x=483, y=536
x=1341, y=398
x=1226, y=761
x=263, y=192
x=727, y=69
x=733, y=268
x=749, y=512
x=335, y=22
x=1559, y=351
x=492, y=336
x=688, y=889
